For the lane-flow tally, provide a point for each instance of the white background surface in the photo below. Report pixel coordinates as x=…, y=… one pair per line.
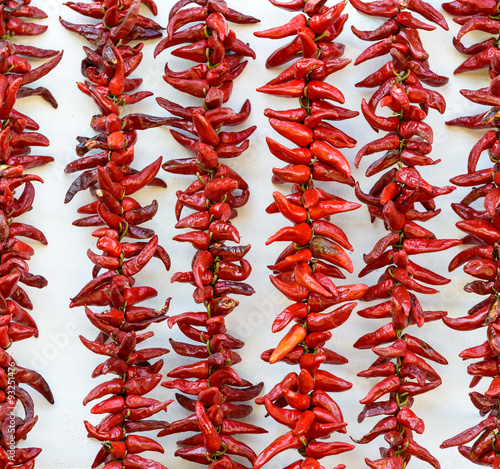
x=67, y=365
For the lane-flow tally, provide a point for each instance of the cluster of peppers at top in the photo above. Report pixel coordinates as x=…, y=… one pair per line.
x=316, y=252
x=106, y=160
x=217, y=270
x=482, y=227
x=17, y=136
x=396, y=199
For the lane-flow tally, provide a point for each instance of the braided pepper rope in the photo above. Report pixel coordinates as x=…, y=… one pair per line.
x=105, y=160
x=217, y=270
x=397, y=198
x=17, y=136
x=304, y=270
x=482, y=228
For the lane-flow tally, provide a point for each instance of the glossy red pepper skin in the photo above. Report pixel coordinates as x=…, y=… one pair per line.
x=481, y=228
x=17, y=193
x=392, y=199
x=112, y=181
x=217, y=270
x=304, y=270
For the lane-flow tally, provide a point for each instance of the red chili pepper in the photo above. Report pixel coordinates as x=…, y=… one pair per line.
x=295, y=311
x=287, y=441
x=303, y=275
x=327, y=321
x=288, y=210
x=285, y=30
x=418, y=246
x=298, y=133
x=297, y=174
x=327, y=154
x=292, y=88
x=323, y=248
x=389, y=384
x=383, y=9
x=212, y=439
x=393, y=462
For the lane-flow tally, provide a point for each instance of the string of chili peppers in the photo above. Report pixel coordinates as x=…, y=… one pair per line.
x=316, y=252
x=106, y=160
x=402, y=199
x=17, y=136
x=482, y=228
x=218, y=270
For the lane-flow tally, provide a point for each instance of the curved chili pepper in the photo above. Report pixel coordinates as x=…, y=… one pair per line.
x=287, y=441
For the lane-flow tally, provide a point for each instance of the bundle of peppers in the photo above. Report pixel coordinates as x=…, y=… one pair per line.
x=106, y=160
x=402, y=199
x=218, y=270
x=17, y=136
x=315, y=255
x=482, y=228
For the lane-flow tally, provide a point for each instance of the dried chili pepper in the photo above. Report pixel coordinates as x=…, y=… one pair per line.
x=316, y=253
x=394, y=199
x=218, y=270
x=112, y=181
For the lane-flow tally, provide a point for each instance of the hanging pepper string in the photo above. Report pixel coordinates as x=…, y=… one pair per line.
x=218, y=270
x=17, y=136
x=482, y=228
x=106, y=160
x=395, y=199
x=316, y=253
